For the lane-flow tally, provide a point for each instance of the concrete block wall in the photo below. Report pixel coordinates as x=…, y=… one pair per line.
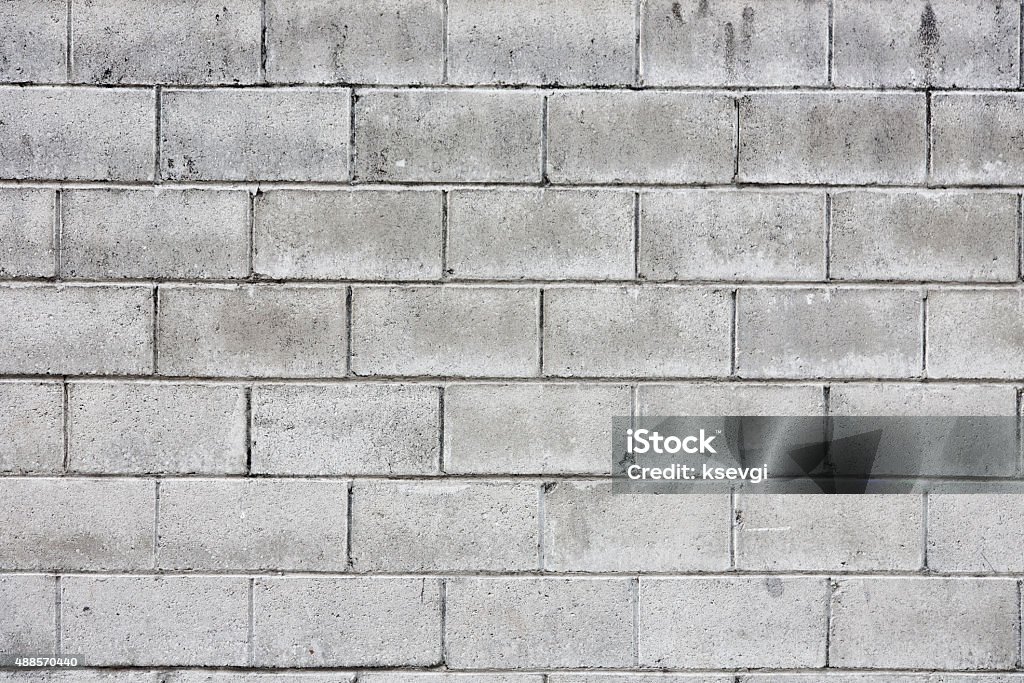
x=314, y=315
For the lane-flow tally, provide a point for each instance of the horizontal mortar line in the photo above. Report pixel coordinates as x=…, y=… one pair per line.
x=464, y=283
x=390, y=184
x=524, y=574
x=533, y=379
x=513, y=87
x=441, y=669
x=485, y=477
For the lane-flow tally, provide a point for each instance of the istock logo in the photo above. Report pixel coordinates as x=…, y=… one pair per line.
x=649, y=441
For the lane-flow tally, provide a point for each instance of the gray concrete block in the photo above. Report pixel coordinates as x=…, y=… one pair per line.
x=588, y=528
x=33, y=41
x=734, y=42
x=733, y=622
x=829, y=533
x=448, y=135
x=257, y=677
x=188, y=41
x=446, y=677
x=166, y=234
x=77, y=524
x=636, y=331
x=156, y=620
x=351, y=621
x=539, y=623
x=31, y=427
x=355, y=41
x=538, y=234
x=729, y=399
x=76, y=330
x=845, y=677
x=975, y=138
x=451, y=331
x=828, y=332
x=563, y=42
x=975, y=333
x=640, y=678
x=262, y=524
x=28, y=617
x=728, y=235
x=27, y=232
x=297, y=134
x=252, y=330
x=976, y=533
x=531, y=428
x=463, y=525
x=834, y=138
x=640, y=137
x=77, y=134
x=926, y=623
x=363, y=235
x=922, y=399
x=920, y=235
x=938, y=43
x=149, y=428
x=78, y=675
x=345, y=429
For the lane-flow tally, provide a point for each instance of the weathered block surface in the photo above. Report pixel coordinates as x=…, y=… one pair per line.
x=31, y=427
x=27, y=233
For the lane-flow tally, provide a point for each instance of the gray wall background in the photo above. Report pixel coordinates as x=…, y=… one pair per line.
x=314, y=315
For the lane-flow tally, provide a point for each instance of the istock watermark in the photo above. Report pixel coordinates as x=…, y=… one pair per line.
x=815, y=454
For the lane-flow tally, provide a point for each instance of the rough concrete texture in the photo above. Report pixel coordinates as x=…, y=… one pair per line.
x=315, y=315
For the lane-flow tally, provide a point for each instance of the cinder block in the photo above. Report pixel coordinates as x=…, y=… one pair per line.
x=729, y=399
x=33, y=41
x=143, y=428
x=734, y=42
x=448, y=135
x=640, y=678
x=975, y=333
x=531, y=428
x=28, y=617
x=464, y=331
x=77, y=133
x=870, y=678
x=976, y=533
x=156, y=620
x=362, y=235
x=636, y=331
x=345, y=429
x=640, y=137
x=31, y=427
x=252, y=330
x=78, y=524
x=446, y=677
x=975, y=138
x=729, y=235
x=194, y=42
x=922, y=399
x=734, y=622
x=925, y=623
x=828, y=332
x=939, y=43
x=292, y=134
x=78, y=675
x=588, y=528
x=829, y=533
x=919, y=235
x=351, y=621
x=540, y=234
x=563, y=42
x=82, y=330
x=539, y=623
x=444, y=526
x=257, y=677
x=264, y=524
x=27, y=232
x=835, y=138
x=355, y=41
x=166, y=234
